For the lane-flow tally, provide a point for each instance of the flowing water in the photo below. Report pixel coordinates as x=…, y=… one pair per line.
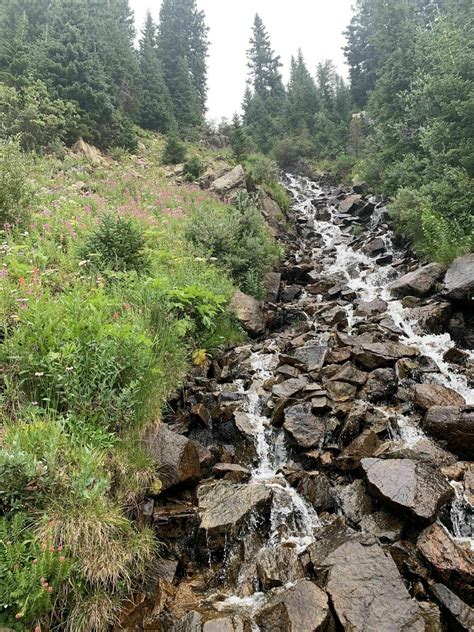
x=293, y=521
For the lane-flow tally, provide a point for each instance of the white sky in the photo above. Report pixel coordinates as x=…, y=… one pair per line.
x=315, y=26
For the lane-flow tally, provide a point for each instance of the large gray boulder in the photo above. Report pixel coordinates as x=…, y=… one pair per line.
x=249, y=312
x=453, y=426
x=231, y=180
x=224, y=508
x=367, y=591
x=306, y=429
x=176, y=456
x=412, y=486
x=303, y=607
x=428, y=395
x=419, y=282
x=277, y=566
x=459, y=279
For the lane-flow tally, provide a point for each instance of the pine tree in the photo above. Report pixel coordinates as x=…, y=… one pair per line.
x=187, y=105
x=264, y=65
x=156, y=107
x=182, y=34
x=302, y=97
x=238, y=138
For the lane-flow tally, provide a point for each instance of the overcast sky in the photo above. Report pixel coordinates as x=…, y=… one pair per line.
x=315, y=26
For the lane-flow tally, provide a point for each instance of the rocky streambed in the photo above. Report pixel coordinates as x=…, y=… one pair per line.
x=319, y=477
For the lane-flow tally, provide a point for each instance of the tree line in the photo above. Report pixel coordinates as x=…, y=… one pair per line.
x=69, y=68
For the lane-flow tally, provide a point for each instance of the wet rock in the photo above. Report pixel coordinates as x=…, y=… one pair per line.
x=231, y=180
x=428, y=395
x=453, y=564
x=459, y=612
x=302, y=607
x=371, y=308
x=353, y=423
x=243, y=423
x=350, y=204
x=419, y=282
x=290, y=293
x=315, y=487
x=373, y=355
x=175, y=521
x=433, y=317
x=412, y=486
x=277, y=566
x=224, y=507
x=290, y=387
x=311, y=356
x=307, y=430
x=453, y=426
x=341, y=391
x=177, y=457
x=459, y=279
x=456, y=356
x=232, y=472
x=271, y=283
x=367, y=591
x=191, y=622
x=349, y=373
x=374, y=247
x=355, y=501
x=382, y=525
x=365, y=445
x=381, y=384
x=338, y=355
x=227, y=624
x=249, y=313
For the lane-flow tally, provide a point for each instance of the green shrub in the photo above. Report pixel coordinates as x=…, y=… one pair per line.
x=279, y=194
x=290, y=150
x=15, y=190
x=33, y=574
x=193, y=169
x=82, y=354
x=342, y=167
x=39, y=121
x=237, y=236
x=174, y=152
x=116, y=244
x=260, y=169
x=22, y=479
x=197, y=307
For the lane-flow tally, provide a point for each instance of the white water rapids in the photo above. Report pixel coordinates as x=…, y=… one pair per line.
x=293, y=520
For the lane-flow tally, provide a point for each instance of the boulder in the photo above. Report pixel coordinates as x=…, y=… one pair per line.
x=459, y=279
x=453, y=426
x=341, y=391
x=433, y=317
x=419, y=282
x=450, y=561
x=249, y=313
x=271, y=212
x=355, y=501
x=231, y=472
x=365, y=445
x=191, y=622
x=90, y=153
x=277, y=566
x=226, y=624
x=374, y=247
x=459, y=612
x=414, y=487
x=382, y=525
x=381, y=384
x=302, y=607
x=373, y=355
x=289, y=387
x=349, y=373
x=225, y=507
x=428, y=395
x=367, y=591
x=231, y=180
x=315, y=487
x=311, y=356
x=370, y=308
x=271, y=283
x=306, y=429
x=176, y=456
x=350, y=204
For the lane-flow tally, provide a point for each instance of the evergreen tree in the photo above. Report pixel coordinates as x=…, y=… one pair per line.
x=264, y=65
x=182, y=35
x=156, y=107
x=302, y=97
x=187, y=104
x=238, y=138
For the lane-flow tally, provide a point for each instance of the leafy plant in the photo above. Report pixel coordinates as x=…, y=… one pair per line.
x=33, y=573
x=193, y=169
x=197, y=307
x=22, y=480
x=15, y=190
x=174, y=152
x=116, y=244
x=260, y=169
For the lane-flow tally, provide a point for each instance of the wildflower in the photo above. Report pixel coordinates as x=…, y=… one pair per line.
x=3, y=273
x=42, y=580
x=68, y=369
x=62, y=558
x=18, y=615
x=52, y=549
x=38, y=628
x=7, y=227
x=43, y=548
x=21, y=281
x=60, y=547
x=39, y=373
x=50, y=589
x=34, y=562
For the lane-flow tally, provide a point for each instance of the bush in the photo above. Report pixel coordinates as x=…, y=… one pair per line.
x=342, y=167
x=39, y=121
x=174, y=152
x=15, y=191
x=86, y=355
x=33, y=573
x=279, y=194
x=260, y=169
x=238, y=237
x=116, y=244
x=290, y=150
x=193, y=169
x=21, y=480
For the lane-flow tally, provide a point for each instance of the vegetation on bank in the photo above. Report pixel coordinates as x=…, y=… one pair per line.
x=114, y=282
